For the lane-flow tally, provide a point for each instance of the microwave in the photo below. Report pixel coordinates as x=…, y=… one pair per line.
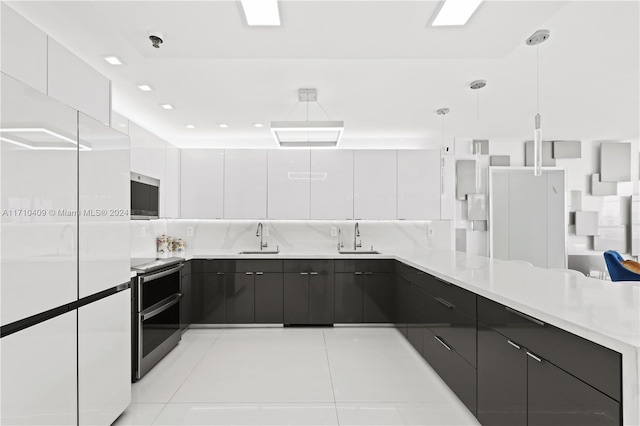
x=145, y=197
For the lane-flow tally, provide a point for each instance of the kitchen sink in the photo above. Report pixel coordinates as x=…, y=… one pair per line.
x=260, y=252
x=358, y=252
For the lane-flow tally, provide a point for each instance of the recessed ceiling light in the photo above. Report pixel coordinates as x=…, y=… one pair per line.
x=190, y=126
x=223, y=125
x=145, y=88
x=113, y=60
x=167, y=106
x=261, y=12
x=455, y=12
x=257, y=124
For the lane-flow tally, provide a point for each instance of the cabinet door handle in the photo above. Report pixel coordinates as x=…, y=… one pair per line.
x=442, y=342
x=445, y=303
x=313, y=273
x=259, y=273
x=304, y=273
x=525, y=316
x=248, y=273
x=368, y=273
x=220, y=273
x=357, y=273
x=537, y=358
x=515, y=345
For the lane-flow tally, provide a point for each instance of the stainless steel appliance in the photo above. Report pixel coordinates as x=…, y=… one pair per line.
x=145, y=197
x=155, y=311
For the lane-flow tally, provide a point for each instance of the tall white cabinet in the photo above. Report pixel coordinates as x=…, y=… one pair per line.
x=419, y=186
x=202, y=183
x=331, y=184
x=245, y=184
x=374, y=184
x=288, y=177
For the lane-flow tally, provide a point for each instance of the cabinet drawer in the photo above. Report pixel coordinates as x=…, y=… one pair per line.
x=254, y=265
x=594, y=364
x=457, y=373
x=207, y=265
x=447, y=293
x=406, y=272
x=309, y=265
x=355, y=265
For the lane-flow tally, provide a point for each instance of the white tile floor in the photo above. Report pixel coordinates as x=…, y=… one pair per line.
x=294, y=376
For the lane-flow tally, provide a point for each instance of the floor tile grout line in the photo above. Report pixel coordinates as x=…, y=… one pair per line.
x=333, y=390
x=204, y=353
x=158, y=415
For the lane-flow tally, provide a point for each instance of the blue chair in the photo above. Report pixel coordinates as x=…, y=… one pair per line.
x=617, y=271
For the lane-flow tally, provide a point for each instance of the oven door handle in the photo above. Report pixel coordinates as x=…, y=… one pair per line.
x=151, y=277
x=164, y=305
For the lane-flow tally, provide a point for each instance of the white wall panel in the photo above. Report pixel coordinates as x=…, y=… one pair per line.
x=38, y=374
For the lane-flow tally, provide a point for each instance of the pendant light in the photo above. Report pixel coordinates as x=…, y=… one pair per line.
x=536, y=39
x=477, y=143
x=442, y=112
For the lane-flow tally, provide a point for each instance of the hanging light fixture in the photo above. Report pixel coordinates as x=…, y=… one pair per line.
x=442, y=112
x=477, y=143
x=307, y=134
x=536, y=39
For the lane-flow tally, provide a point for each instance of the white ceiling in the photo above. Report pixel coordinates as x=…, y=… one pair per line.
x=377, y=65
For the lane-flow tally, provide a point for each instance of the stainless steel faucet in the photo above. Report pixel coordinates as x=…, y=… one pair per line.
x=259, y=234
x=340, y=242
x=356, y=234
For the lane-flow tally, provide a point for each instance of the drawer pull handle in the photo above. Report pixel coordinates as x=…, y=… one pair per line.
x=357, y=273
x=445, y=303
x=525, y=316
x=304, y=273
x=313, y=273
x=442, y=342
x=259, y=273
x=515, y=345
x=368, y=273
x=248, y=273
x=220, y=273
x=537, y=358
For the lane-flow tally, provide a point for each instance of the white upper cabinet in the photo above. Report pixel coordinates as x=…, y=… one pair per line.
x=103, y=176
x=331, y=184
x=172, y=183
x=73, y=82
x=288, y=177
x=419, y=186
x=141, y=147
x=202, y=180
x=374, y=183
x=245, y=184
x=24, y=49
x=40, y=197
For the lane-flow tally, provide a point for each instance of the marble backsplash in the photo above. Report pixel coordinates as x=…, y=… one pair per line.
x=203, y=237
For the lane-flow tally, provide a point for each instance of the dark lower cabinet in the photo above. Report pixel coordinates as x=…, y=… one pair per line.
x=502, y=380
x=296, y=298
x=556, y=398
x=415, y=316
x=377, y=303
x=269, y=298
x=240, y=305
x=186, y=301
x=208, y=298
x=457, y=373
x=348, y=297
x=321, y=298
x=401, y=299
x=453, y=326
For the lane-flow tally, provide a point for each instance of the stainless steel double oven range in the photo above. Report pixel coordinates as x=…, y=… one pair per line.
x=155, y=321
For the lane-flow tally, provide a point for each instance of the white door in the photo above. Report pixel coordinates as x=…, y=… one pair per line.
x=374, y=182
x=331, y=184
x=288, y=180
x=202, y=184
x=245, y=184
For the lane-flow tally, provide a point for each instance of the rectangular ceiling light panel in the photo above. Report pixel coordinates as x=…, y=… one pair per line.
x=261, y=12
x=39, y=138
x=307, y=134
x=455, y=12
